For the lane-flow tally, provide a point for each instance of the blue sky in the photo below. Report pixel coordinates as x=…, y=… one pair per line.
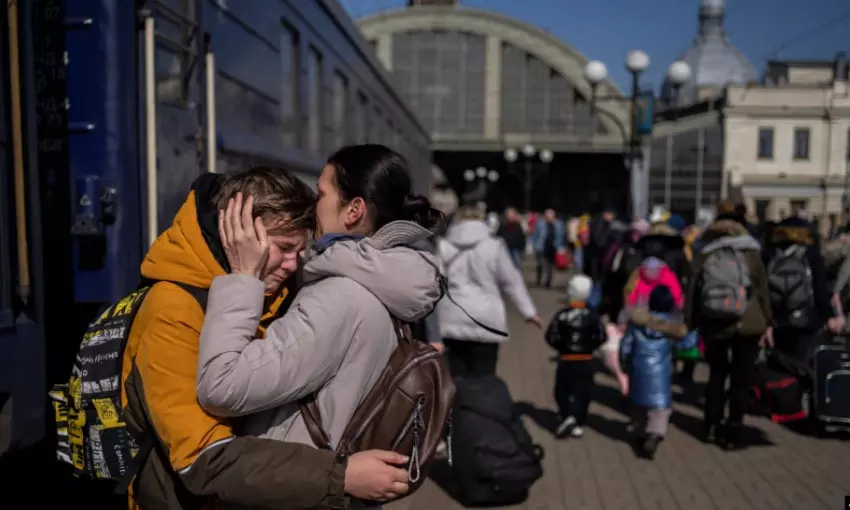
x=608, y=29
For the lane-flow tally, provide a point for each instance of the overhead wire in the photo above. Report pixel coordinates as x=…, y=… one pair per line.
x=800, y=37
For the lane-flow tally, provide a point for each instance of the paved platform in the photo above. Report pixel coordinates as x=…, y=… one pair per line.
x=782, y=470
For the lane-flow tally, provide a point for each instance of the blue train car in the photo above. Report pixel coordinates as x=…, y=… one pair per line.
x=109, y=109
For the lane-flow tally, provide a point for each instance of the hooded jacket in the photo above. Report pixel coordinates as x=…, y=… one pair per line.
x=663, y=242
x=796, y=230
x=479, y=269
x=758, y=317
x=335, y=340
x=646, y=354
x=201, y=459
x=649, y=277
x=427, y=329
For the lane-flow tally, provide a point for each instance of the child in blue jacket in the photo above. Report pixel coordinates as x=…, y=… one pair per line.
x=646, y=355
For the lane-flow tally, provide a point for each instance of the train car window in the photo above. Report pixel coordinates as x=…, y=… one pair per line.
x=175, y=50
x=391, y=136
x=363, y=119
x=340, y=109
x=377, y=133
x=290, y=44
x=313, y=93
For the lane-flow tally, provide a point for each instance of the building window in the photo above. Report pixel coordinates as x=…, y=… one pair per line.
x=290, y=65
x=340, y=109
x=376, y=134
x=765, y=148
x=801, y=143
x=762, y=207
x=313, y=91
x=797, y=206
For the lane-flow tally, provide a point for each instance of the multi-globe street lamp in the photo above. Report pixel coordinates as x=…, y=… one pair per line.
x=528, y=152
x=483, y=177
x=637, y=61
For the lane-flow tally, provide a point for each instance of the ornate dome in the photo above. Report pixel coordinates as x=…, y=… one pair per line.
x=714, y=61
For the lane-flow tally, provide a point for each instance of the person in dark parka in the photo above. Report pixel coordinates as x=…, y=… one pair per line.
x=800, y=341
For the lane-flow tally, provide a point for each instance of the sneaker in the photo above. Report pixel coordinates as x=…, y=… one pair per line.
x=565, y=427
x=577, y=431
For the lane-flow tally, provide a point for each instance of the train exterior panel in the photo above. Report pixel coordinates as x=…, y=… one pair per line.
x=124, y=104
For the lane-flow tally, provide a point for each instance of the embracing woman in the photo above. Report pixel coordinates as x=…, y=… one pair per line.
x=338, y=334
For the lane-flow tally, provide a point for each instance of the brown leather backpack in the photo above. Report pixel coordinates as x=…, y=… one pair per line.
x=408, y=411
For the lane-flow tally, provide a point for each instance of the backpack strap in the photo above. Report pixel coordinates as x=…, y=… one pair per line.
x=310, y=412
x=460, y=251
x=313, y=421
x=145, y=445
x=797, y=250
x=444, y=289
x=200, y=294
x=147, y=442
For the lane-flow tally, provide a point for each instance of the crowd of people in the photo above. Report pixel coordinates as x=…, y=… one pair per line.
x=657, y=293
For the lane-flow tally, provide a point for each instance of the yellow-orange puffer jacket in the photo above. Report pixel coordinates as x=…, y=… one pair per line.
x=201, y=460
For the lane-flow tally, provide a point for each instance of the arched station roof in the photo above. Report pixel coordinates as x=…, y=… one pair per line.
x=560, y=56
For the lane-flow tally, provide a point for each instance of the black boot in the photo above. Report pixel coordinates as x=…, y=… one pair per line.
x=733, y=437
x=650, y=446
x=709, y=431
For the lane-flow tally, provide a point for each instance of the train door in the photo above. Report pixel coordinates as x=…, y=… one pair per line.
x=22, y=294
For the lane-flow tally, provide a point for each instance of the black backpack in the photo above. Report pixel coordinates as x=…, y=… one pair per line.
x=495, y=461
x=92, y=435
x=789, y=280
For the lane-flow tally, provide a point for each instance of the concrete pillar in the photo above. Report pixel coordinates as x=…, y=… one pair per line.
x=384, y=49
x=493, y=89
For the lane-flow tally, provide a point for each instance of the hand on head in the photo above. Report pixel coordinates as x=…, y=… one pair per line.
x=243, y=237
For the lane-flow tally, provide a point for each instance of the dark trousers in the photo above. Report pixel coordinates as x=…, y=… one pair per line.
x=574, y=388
x=545, y=263
x=686, y=372
x=740, y=369
x=471, y=359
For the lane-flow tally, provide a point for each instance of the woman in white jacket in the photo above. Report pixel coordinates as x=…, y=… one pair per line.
x=479, y=270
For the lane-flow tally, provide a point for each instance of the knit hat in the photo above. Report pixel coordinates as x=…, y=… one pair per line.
x=579, y=288
x=677, y=222
x=661, y=300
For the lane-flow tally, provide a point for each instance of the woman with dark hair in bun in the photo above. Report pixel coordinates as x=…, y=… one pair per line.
x=338, y=335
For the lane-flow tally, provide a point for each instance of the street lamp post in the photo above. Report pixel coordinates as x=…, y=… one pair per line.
x=482, y=176
x=637, y=61
x=529, y=151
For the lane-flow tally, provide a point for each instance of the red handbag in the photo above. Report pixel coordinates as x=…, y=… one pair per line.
x=562, y=261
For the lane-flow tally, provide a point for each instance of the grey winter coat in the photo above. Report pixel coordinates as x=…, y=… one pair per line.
x=479, y=269
x=335, y=339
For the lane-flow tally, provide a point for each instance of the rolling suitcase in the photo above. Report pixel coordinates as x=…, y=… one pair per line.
x=832, y=386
